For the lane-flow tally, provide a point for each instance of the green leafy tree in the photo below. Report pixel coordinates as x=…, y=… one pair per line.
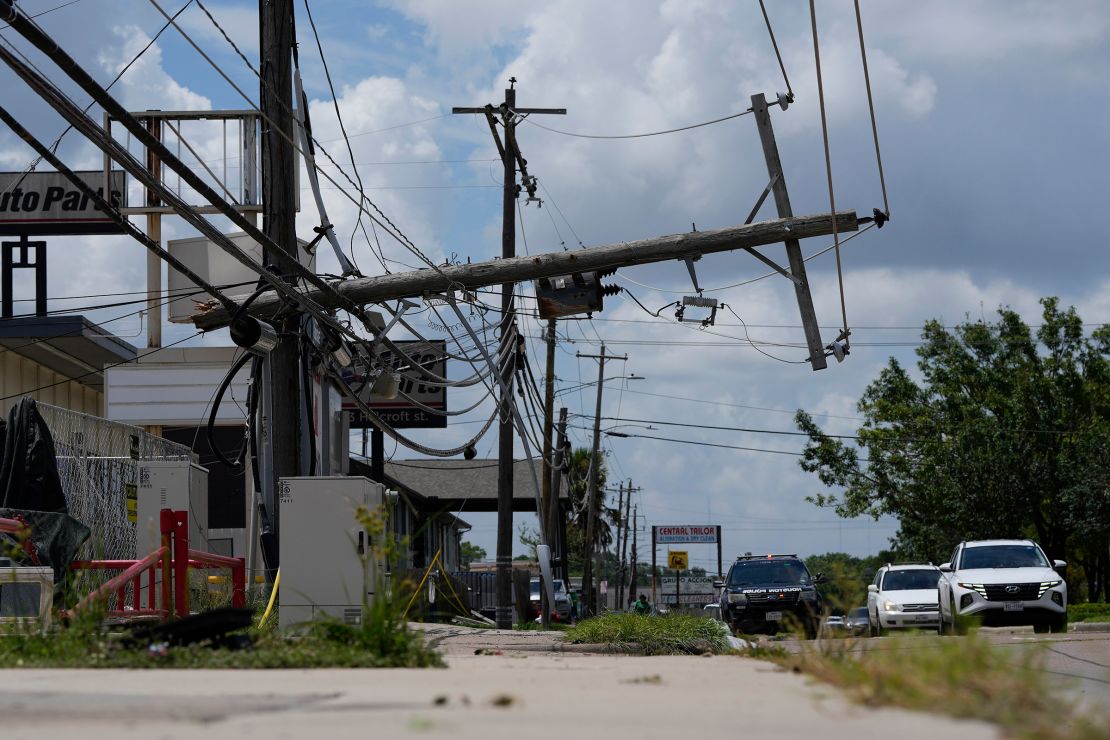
x=1006, y=434
x=470, y=553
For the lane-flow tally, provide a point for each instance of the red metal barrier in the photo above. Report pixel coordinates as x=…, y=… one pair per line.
x=173, y=559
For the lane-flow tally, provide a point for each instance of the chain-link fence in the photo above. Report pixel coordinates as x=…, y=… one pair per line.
x=98, y=462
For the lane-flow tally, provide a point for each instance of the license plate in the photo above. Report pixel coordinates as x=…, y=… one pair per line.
x=1013, y=606
x=774, y=616
x=923, y=618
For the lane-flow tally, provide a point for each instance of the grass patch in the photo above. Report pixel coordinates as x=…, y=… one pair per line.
x=966, y=678
x=669, y=634
x=1089, y=612
x=86, y=643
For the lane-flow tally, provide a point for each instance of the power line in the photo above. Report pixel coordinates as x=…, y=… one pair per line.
x=639, y=136
x=708, y=444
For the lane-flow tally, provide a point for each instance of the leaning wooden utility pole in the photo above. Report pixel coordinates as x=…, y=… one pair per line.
x=793, y=248
x=510, y=159
x=279, y=223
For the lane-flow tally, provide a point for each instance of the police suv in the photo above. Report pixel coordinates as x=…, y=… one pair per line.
x=766, y=593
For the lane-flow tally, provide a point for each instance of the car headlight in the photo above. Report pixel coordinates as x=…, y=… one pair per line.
x=1045, y=585
x=809, y=596
x=738, y=598
x=890, y=606
x=978, y=588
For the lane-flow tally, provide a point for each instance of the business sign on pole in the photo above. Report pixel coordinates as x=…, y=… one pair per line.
x=404, y=411
x=686, y=534
x=678, y=559
x=47, y=203
x=690, y=590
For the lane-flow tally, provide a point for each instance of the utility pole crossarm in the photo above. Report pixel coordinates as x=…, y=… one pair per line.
x=518, y=269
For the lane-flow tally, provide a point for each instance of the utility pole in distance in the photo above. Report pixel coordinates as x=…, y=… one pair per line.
x=556, y=516
x=510, y=158
x=624, y=548
x=592, y=496
x=279, y=223
x=632, y=578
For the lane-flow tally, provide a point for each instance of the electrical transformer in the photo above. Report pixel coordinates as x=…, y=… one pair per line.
x=328, y=562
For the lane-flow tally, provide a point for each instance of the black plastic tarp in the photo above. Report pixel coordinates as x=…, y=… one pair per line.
x=29, y=477
x=54, y=540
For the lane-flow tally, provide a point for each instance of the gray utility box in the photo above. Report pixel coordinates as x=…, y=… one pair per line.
x=170, y=484
x=180, y=485
x=328, y=564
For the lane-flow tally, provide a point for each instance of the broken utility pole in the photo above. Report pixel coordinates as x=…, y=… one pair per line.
x=510, y=158
x=550, y=264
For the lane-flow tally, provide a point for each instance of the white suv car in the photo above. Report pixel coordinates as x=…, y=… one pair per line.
x=1002, y=583
x=903, y=595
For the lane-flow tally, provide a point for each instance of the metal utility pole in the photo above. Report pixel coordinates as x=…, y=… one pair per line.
x=510, y=158
x=153, y=261
x=793, y=248
x=279, y=224
x=592, y=497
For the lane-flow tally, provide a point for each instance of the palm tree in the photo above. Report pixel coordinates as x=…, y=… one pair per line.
x=606, y=519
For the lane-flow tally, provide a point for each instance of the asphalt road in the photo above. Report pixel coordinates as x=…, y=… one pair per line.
x=1078, y=661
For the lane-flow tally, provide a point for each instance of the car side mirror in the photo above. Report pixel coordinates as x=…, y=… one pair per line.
x=945, y=568
x=820, y=578
x=1058, y=564
x=872, y=588
x=718, y=584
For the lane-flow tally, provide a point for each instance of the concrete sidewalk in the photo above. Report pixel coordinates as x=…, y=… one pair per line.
x=536, y=695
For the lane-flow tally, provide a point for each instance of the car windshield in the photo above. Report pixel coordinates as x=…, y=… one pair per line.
x=860, y=612
x=910, y=580
x=1003, y=556
x=762, y=572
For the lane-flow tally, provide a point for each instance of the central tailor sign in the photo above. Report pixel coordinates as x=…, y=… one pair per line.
x=686, y=533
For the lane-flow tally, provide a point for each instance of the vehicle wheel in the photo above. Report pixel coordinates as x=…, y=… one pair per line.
x=959, y=624
x=1040, y=627
x=871, y=630
x=1059, y=624
x=878, y=629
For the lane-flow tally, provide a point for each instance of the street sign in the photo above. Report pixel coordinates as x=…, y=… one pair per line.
x=402, y=412
x=686, y=534
x=678, y=559
x=46, y=203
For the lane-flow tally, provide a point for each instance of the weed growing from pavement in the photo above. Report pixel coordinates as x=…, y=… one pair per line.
x=668, y=634
x=967, y=678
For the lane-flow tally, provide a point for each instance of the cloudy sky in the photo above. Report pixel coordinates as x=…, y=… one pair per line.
x=992, y=119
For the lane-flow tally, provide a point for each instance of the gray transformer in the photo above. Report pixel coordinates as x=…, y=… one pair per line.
x=328, y=562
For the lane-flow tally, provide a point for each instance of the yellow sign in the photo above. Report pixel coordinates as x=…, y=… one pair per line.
x=131, y=494
x=678, y=559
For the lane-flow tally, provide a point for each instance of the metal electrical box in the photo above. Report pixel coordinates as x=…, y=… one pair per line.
x=170, y=484
x=328, y=562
